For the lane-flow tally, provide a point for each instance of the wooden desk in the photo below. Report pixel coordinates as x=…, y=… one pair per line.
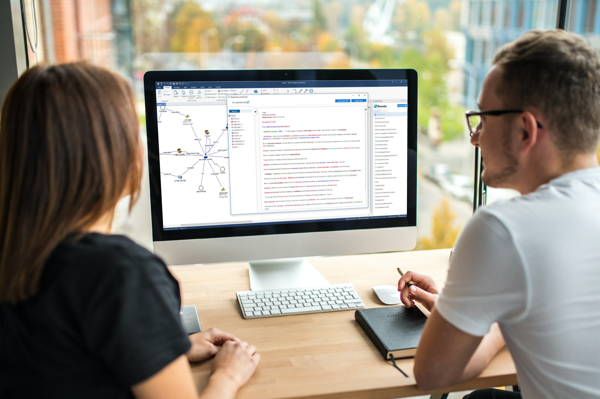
x=323, y=355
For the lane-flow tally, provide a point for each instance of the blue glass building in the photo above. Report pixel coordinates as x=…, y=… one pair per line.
x=489, y=24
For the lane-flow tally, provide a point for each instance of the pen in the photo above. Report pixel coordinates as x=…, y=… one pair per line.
x=402, y=274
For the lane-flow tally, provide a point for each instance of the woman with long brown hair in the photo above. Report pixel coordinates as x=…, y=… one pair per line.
x=86, y=314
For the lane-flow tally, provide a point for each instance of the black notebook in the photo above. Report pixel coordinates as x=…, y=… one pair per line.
x=394, y=330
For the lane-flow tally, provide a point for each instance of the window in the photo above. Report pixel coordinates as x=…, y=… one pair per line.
x=484, y=52
x=507, y=11
x=574, y=16
x=536, y=13
x=521, y=14
x=481, y=18
x=134, y=36
x=474, y=12
x=590, y=16
x=590, y=29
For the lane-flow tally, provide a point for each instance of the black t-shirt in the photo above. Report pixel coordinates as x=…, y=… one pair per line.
x=105, y=318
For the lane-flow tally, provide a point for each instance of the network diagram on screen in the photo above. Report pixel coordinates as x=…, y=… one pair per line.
x=242, y=153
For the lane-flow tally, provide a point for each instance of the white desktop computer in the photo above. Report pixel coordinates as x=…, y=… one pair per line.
x=274, y=166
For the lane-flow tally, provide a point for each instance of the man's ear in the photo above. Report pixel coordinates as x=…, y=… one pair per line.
x=529, y=131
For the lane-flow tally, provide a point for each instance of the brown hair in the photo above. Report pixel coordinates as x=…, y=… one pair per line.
x=558, y=73
x=69, y=150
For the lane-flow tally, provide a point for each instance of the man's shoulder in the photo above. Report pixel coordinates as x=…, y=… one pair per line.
x=570, y=194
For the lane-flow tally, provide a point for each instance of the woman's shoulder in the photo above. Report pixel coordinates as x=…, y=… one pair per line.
x=97, y=256
x=105, y=249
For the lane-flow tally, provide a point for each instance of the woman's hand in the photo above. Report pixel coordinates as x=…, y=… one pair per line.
x=423, y=290
x=235, y=362
x=207, y=343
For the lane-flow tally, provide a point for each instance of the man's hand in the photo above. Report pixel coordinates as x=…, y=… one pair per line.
x=207, y=343
x=423, y=290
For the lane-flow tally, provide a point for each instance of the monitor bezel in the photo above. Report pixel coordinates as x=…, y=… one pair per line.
x=160, y=234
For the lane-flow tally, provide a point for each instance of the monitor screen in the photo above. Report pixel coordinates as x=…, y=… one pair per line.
x=241, y=156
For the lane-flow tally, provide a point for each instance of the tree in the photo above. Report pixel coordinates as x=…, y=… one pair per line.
x=319, y=19
x=443, y=231
x=148, y=23
x=191, y=25
x=411, y=16
x=254, y=38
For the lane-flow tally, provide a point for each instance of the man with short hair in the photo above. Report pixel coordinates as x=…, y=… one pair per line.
x=526, y=271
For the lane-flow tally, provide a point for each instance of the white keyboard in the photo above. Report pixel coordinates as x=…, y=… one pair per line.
x=298, y=300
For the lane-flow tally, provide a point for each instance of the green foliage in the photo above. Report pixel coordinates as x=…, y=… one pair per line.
x=431, y=62
x=358, y=37
x=319, y=19
x=453, y=121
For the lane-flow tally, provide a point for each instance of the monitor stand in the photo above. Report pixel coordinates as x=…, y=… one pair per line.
x=280, y=274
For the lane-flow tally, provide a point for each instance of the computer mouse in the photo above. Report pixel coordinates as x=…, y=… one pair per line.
x=387, y=294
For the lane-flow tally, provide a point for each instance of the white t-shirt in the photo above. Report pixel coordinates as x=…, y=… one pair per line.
x=532, y=264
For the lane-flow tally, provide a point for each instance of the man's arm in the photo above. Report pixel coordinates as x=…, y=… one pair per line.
x=447, y=355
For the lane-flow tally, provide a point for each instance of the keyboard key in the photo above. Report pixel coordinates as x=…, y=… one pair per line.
x=301, y=310
x=275, y=312
x=327, y=307
x=353, y=300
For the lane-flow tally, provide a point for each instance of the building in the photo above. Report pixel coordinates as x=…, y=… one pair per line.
x=489, y=24
x=96, y=30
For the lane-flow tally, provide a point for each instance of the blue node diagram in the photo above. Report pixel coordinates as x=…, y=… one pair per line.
x=209, y=151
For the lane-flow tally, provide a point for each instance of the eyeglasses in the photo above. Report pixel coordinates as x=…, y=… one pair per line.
x=474, y=118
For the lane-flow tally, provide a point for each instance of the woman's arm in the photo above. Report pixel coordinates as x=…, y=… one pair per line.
x=231, y=369
x=207, y=343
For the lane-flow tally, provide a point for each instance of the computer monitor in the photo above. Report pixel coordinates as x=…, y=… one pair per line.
x=273, y=166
